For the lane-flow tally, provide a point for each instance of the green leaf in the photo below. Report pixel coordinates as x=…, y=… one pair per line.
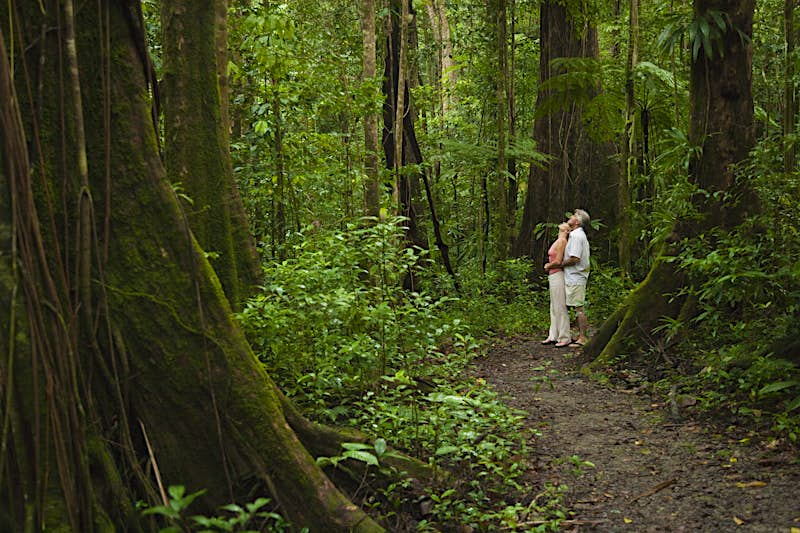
x=232, y=507
x=778, y=386
x=176, y=492
x=356, y=446
x=380, y=447
x=447, y=449
x=794, y=404
x=162, y=510
x=364, y=457
x=256, y=505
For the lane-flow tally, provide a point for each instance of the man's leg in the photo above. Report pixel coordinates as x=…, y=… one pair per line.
x=583, y=325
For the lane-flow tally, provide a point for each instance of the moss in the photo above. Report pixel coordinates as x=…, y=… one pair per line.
x=196, y=148
x=628, y=330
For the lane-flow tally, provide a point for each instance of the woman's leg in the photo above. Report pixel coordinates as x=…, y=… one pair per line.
x=558, y=305
x=553, y=334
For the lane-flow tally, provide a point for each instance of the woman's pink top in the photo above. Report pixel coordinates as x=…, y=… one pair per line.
x=551, y=256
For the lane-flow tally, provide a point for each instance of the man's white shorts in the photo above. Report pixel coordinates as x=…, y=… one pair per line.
x=576, y=295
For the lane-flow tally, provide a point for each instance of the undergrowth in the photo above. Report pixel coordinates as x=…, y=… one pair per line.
x=335, y=330
x=739, y=354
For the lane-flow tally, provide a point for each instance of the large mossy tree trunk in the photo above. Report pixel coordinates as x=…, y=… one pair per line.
x=722, y=125
x=160, y=380
x=196, y=151
x=580, y=173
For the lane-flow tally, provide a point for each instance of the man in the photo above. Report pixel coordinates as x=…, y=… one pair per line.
x=576, y=271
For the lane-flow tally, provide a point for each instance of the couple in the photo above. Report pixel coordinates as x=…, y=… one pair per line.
x=568, y=272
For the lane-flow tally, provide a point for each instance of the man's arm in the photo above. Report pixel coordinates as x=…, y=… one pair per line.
x=571, y=260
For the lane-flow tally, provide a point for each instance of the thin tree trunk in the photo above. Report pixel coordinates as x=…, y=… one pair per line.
x=437, y=232
x=447, y=75
x=513, y=186
x=371, y=157
x=628, y=144
x=280, y=224
x=497, y=13
x=789, y=98
x=400, y=106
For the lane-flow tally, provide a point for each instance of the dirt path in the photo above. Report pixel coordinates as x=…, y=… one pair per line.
x=652, y=472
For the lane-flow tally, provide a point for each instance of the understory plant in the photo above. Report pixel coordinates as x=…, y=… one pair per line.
x=746, y=282
x=333, y=319
x=335, y=329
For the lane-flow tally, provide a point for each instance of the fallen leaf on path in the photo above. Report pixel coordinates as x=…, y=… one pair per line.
x=627, y=520
x=751, y=484
x=738, y=520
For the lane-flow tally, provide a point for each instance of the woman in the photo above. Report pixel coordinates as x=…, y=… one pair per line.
x=559, y=318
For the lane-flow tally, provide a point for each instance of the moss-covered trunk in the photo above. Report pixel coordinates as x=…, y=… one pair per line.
x=722, y=125
x=196, y=144
x=160, y=366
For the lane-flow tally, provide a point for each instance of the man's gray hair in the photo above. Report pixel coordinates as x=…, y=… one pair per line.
x=583, y=216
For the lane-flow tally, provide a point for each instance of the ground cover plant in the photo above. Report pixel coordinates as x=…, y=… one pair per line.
x=334, y=327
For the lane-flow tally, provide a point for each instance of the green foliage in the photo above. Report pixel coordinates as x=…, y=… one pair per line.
x=371, y=455
x=251, y=518
x=745, y=282
x=515, y=290
x=459, y=426
x=334, y=319
x=337, y=333
x=704, y=31
x=605, y=290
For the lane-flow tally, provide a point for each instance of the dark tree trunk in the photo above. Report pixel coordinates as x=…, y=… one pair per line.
x=196, y=142
x=409, y=152
x=581, y=174
x=722, y=123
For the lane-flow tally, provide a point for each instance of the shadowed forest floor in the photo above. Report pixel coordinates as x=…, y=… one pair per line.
x=653, y=470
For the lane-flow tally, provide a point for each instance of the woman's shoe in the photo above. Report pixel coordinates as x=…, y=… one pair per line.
x=548, y=341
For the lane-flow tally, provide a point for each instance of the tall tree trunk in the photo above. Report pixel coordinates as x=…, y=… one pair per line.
x=196, y=140
x=628, y=144
x=247, y=257
x=513, y=185
x=580, y=174
x=497, y=14
x=371, y=156
x=722, y=124
x=279, y=197
x=446, y=73
x=400, y=145
x=400, y=107
x=789, y=89
x=163, y=380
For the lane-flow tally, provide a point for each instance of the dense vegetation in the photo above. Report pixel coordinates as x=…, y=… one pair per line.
x=367, y=316
x=349, y=345
x=333, y=276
